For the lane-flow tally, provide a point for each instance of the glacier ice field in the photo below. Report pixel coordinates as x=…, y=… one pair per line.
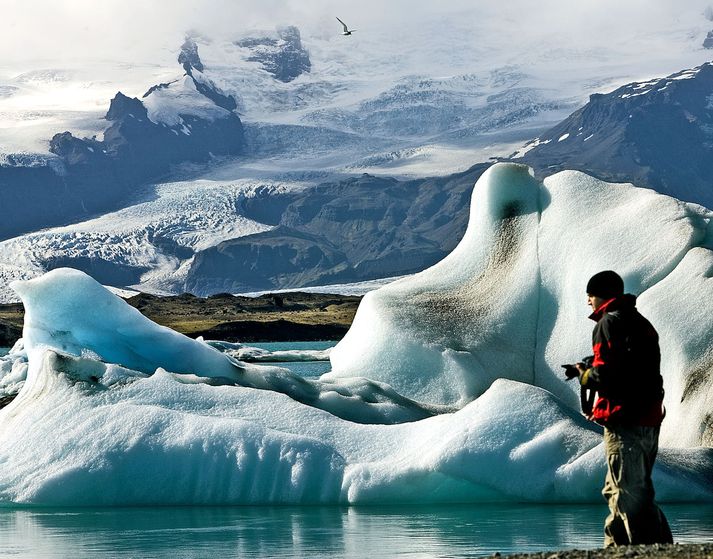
x=445, y=389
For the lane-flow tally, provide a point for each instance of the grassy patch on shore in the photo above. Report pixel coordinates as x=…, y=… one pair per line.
x=283, y=317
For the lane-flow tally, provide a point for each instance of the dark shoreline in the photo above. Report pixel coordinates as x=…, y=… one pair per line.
x=279, y=317
x=657, y=551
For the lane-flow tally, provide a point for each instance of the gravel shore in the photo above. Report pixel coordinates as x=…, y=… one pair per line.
x=658, y=551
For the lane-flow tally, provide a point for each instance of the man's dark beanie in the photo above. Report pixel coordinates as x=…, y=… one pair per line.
x=606, y=285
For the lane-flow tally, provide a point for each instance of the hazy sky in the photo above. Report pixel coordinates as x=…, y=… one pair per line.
x=65, y=30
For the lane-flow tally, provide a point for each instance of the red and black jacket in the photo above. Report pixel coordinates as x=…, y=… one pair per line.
x=626, y=370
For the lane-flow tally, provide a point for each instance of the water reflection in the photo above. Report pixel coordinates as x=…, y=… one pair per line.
x=319, y=532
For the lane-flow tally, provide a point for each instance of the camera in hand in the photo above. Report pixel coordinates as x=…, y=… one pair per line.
x=571, y=371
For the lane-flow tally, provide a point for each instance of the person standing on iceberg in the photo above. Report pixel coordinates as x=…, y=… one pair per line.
x=625, y=372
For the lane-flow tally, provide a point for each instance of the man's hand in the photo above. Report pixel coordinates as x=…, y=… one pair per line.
x=583, y=373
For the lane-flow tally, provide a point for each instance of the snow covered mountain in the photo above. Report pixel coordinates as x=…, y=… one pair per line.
x=300, y=122
x=306, y=115
x=183, y=121
x=656, y=133
x=285, y=57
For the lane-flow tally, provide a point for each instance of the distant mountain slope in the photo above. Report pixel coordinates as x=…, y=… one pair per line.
x=235, y=236
x=353, y=230
x=320, y=116
x=657, y=133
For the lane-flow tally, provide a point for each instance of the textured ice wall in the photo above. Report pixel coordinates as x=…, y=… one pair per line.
x=445, y=334
x=509, y=301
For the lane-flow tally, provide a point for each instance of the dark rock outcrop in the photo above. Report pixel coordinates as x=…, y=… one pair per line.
x=657, y=134
x=188, y=57
x=151, y=148
x=280, y=330
x=105, y=272
x=279, y=253
x=9, y=333
x=122, y=106
x=285, y=57
x=708, y=41
x=214, y=93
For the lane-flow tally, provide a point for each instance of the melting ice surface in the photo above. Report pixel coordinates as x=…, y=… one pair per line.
x=446, y=388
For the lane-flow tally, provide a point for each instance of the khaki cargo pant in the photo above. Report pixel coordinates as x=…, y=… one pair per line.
x=634, y=517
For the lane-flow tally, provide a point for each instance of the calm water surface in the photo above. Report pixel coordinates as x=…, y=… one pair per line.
x=318, y=532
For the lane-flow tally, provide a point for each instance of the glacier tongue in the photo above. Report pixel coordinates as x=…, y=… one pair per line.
x=116, y=410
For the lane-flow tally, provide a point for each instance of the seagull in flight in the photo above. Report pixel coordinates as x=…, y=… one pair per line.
x=346, y=31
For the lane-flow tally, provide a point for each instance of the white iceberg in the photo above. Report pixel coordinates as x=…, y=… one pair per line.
x=462, y=360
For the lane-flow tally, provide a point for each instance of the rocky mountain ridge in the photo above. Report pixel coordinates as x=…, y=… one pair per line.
x=356, y=229
x=656, y=134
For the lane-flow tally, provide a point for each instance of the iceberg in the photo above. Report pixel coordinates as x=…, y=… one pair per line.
x=445, y=389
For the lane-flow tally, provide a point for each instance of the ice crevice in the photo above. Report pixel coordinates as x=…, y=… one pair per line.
x=447, y=388
x=542, y=200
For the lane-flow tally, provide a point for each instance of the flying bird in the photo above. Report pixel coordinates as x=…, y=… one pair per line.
x=346, y=31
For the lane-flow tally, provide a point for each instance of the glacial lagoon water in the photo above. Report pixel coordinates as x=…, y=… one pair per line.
x=314, y=531
x=318, y=532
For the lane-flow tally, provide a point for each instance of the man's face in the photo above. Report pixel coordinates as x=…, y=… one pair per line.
x=594, y=302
